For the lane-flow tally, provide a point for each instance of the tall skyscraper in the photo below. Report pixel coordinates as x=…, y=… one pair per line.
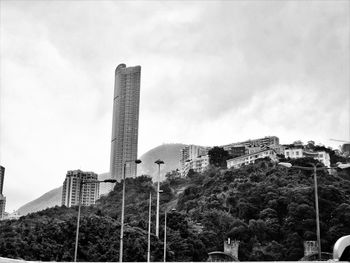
x=2, y=174
x=125, y=121
x=71, y=188
x=2, y=197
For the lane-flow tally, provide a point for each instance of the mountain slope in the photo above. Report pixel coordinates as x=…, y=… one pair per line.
x=49, y=199
x=267, y=208
x=169, y=153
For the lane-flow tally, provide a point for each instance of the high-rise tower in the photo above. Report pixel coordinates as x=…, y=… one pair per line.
x=2, y=174
x=2, y=197
x=125, y=121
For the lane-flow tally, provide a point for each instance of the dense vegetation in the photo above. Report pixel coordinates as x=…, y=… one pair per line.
x=269, y=209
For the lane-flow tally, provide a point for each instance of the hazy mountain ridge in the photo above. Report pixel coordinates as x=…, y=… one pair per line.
x=169, y=153
x=49, y=199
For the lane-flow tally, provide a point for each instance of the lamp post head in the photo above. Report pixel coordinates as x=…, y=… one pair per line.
x=159, y=162
x=288, y=165
x=343, y=165
x=109, y=181
x=137, y=161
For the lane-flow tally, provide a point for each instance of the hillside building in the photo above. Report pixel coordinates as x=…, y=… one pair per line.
x=252, y=146
x=237, y=150
x=298, y=151
x=261, y=142
x=72, y=186
x=198, y=164
x=125, y=122
x=190, y=153
x=251, y=158
x=346, y=149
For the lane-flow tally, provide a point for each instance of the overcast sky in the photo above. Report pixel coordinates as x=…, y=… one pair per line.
x=213, y=72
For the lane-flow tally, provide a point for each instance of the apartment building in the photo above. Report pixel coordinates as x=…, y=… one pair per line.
x=251, y=158
x=125, y=122
x=190, y=153
x=72, y=186
x=198, y=164
x=299, y=152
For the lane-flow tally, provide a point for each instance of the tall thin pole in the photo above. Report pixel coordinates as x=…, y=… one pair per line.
x=317, y=216
x=157, y=219
x=78, y=222
x=165, y=237
x=122, y=219
x=149, y=228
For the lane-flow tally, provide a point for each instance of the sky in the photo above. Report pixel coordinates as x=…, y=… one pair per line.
x=213, y=73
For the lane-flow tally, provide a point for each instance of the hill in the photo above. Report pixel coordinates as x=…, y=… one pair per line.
x=169, y=153
x=269, y=209
x=49, y=199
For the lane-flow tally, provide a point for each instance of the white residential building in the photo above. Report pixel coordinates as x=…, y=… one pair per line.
x=191, y=152
x=71, y=188
x=251, y=158
x=198, y=164
x=299, y=152
x=293, y=153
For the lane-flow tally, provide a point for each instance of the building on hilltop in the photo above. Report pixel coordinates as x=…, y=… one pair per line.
x=71, y=188
x=196, y=157
x=251, y=158
x=189, y=153
x=2, y=197
x=198, y=164
x=299, y=151
x=237, y=150
x=261, y=142
x=252, y=146
x=125, y=121
x=346, y=149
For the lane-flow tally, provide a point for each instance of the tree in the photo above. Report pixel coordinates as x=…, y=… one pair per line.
x=218, y=157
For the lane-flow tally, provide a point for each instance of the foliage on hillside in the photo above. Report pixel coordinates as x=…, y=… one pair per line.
x=270, y=210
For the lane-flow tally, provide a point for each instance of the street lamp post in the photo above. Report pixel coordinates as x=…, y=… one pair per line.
x=123, y=208
x=315, y=169
x=82, y=182
x=165, y=217
x=159, y=162
x=149, y=228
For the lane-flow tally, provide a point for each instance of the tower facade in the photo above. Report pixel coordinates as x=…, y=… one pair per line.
x=2, y=174
x=71, y=188
x=125, y=122
x=2, y=197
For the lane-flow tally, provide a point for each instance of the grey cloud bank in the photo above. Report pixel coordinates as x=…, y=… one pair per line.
x=213, y=72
